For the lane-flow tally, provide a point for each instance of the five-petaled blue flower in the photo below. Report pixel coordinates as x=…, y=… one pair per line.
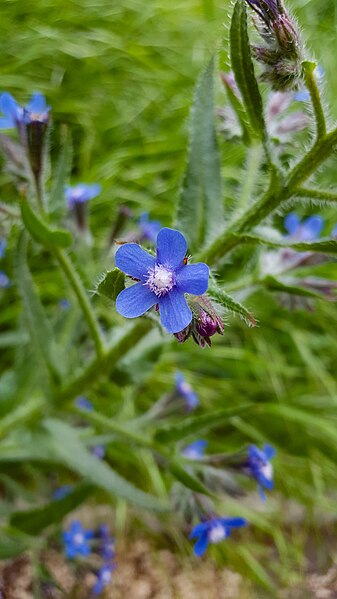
x=149, y=228
x=104, y=577
x=162, y=280
x=35, y=110
x=76, y=539
x=184, y=389
x=195, y=450
x=213, y=531
x=307, y=230
x=4, y=280
x=81, y=193
x=260, y=468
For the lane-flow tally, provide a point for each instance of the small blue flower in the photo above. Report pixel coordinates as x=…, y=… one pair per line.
x=36, y=110
x=84, y=403
x=81, y=193
x=307, y=230
x=76, y=539
x=3, y=245
x=149, y=228
x=184, y=389
x=163, y=280
x=62, y=492
x=98, y=451
x=104, y=577
x=64, y=304
x=195, y=450
x=106, y=547
x=213, y=531
x=4, y=280
x=260, y=468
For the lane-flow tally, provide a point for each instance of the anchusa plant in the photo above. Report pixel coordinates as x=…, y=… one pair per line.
x=135, y=441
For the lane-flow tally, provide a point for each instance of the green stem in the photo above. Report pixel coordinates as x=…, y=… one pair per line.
x=105, y=363
x=317, y=194
x=76, y=283
x=309, y=68
x=253, y=164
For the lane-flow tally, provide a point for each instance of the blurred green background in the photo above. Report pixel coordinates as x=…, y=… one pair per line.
x=121, y=75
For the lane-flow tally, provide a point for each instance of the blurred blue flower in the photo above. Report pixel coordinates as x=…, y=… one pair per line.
x=62, y=492
x=260, y=467
x=3, y=245
x=184, y=389
x=76, y=539
x=149, y=228
x=306, y=230
x=98, y=451
x=162, y=280
x=104, y=577
x=4, y=280
x=213, y=531
x=84, y=403
x=195, y=450
x=35, y=110
x=64, y=304
x=81, y=193
x=106, y=547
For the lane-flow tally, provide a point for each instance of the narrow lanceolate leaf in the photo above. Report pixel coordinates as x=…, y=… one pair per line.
x=232, y=305
x=39, y=327
x=72, y=452
x=326, y=246
x=111, y=284
x=186, y=478
x=33, y=521
x=274, y=284
x=41, y=232
x=200, y=212
x=243, y=69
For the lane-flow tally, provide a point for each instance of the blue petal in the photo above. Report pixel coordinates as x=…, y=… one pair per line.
x=134, y=261
x=193, y=278
x=269, y=451
x=312, y=228
x=199, y=529
x=201, y=545
x=135, y=301
x=37, y=103
x=175, y=314
x=171, y=248
x=292, y=223
x=233, y=522
x=9, y=106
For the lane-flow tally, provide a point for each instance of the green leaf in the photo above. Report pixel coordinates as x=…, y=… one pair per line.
x=257, y=570
x=239, y=110
x=41, y=232
x=38, y=325
x=34, y=521
x=232, y=305
x=195, y=424
x=326, y=246
x=200, y=211
x=111, y=284
x=243, y=69
x=10, y=546
x=186, y=478
x=72, y=452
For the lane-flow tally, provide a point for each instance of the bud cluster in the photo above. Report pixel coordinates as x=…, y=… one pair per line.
x=281, y=53
x=204, y=324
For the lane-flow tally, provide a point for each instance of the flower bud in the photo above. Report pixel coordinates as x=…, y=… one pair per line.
x=205, y=322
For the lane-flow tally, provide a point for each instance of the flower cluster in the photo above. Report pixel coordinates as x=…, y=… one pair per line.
x=94, y=545
x=281, y=52
x=162, y=281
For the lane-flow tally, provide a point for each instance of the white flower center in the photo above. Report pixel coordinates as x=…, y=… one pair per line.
x=267, y=470
x=217, y=533
x=78, y=538
x=160, y=279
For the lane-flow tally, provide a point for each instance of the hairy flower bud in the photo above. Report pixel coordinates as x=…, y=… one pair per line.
x=281, y=53
x=205, y=322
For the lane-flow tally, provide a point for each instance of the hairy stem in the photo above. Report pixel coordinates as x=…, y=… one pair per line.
x=309, y=75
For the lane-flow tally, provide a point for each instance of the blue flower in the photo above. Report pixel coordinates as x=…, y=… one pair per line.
x=106, y=548
x=149, y=228
x=213, y=531
x=3, y=245
x=81, y=193
x=84, y=403
x=36, y=110
x=184, y=389
x=163, y=280
x=98, y=451
x=64, y=304
x=76, y=540
x=62, y=492
x=195, y=450
x=260, y=468
x=104, y=577
x=307, y=230
x=4, y=280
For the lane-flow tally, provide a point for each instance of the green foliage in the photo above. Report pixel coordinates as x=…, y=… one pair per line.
x=111, y=284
